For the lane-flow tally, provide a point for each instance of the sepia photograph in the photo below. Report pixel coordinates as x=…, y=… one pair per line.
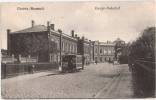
x=78, y=50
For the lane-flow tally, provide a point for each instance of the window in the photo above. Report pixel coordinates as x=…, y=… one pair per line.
x=75, y=49
x=65, y=46
x=104, y=51
x=100, y=50
x=96, y=50
x=72, y=48
x=58, y=45
x=109, y=52
x=101, y=59
x=69, y=47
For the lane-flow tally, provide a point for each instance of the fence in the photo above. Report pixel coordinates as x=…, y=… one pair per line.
x=9, y=70
x=143, y=73
x=12, y=59
x=8, y=59
x=28, y=59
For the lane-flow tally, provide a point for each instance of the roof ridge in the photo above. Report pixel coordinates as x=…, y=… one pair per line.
x=36, y=28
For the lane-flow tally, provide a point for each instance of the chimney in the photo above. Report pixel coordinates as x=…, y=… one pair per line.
x=76, y=35
x=59, y=30
x=32, y=23
x=8, y=31
x=8, y=41
x=52, y=26
x=48, y=25
x=72, y=33
x=83, y=38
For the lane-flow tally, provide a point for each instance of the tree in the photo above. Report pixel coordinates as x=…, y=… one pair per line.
x=144, y=46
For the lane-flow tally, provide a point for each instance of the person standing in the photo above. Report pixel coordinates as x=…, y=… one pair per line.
x=83, y=62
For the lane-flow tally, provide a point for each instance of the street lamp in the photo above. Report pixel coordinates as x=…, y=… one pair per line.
x=60, y=64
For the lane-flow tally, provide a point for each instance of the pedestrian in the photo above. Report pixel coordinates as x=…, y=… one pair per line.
x=83, y=62
x=96, y=61
x=32, y=69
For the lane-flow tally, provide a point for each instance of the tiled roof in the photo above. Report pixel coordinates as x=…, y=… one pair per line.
x=36, y=28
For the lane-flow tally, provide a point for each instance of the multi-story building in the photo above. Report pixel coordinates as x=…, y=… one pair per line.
x=103, y=51
x=68, y=44
x=41, y=41
x=96, y=51
x=106, y=51
x=47, y=44
x=85, y=48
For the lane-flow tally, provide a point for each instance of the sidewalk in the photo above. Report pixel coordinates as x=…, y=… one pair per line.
x=31, y=76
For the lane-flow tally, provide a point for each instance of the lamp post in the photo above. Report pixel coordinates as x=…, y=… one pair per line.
x=60, y=64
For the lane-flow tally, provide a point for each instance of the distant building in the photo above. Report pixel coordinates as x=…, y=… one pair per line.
x=85, y=48
x=96, y=51
x=106, y=51
x=103, y=51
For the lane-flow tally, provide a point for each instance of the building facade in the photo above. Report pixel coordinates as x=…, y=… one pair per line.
x=32, y=41
x=66, y=43
x=85, y=48
x=41, y=41
x=96, y=51
x=106, y=51
x=103, y=51
x=48, y=45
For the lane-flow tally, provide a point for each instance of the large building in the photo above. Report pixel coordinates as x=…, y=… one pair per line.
x=85, y=48
x=47, y=44
x=106, y=51
x=103, y=51
x=41, y=41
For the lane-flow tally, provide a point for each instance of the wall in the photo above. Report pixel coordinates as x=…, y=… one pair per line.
x=10, y=70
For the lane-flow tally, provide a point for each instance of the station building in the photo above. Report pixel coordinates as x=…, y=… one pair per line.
x=43, y=42
x=104, y=51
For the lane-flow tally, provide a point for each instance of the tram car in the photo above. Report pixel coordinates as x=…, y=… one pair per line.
x=72, y=63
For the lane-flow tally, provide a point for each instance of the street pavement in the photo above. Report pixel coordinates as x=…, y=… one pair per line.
x=95, y=81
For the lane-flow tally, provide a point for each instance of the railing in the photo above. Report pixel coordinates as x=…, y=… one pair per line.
x=27, y=59
x=143, y=72
x=148, y=66
x=9, y=59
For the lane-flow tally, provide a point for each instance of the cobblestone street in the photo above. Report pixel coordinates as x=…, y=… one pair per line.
x=95, y=81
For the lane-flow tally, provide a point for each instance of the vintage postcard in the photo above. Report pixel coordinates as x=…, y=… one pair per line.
x=78, y=50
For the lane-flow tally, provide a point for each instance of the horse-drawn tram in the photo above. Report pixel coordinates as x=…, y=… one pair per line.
x=72, y=63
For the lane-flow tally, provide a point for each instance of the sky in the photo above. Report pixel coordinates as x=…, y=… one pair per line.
x=87, y=19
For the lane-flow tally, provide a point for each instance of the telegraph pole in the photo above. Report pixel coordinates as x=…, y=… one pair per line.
x=60, y=64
